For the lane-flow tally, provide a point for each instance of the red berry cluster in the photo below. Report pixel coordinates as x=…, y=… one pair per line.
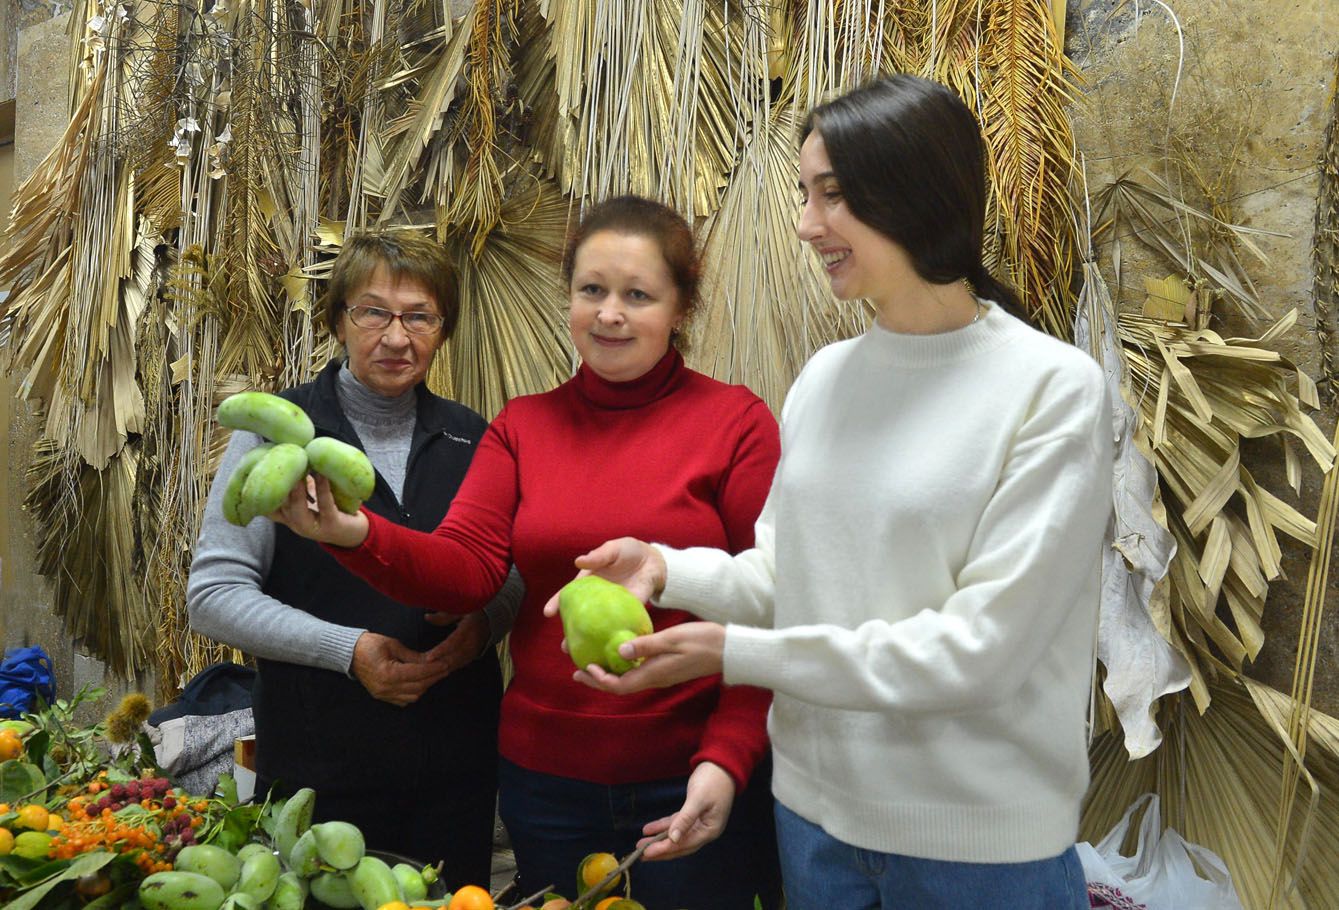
x=117, y=796
x=178, y=832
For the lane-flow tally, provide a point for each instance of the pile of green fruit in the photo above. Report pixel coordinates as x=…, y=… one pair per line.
x=327, y=861
x=266, y=474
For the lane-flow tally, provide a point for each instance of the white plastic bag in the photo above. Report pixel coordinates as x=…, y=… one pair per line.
x=1166, y=872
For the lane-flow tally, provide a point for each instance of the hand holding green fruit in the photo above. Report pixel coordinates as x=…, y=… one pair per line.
x=265, y=475
x=598, y=616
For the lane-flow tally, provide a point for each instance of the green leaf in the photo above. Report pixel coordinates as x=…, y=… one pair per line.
x=226, y=789
x=83, y=864
x=36, y=746
x=236, y=827
x=148, y=757
x=18, y=779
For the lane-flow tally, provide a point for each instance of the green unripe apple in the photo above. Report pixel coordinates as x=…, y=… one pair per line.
x=598, y=616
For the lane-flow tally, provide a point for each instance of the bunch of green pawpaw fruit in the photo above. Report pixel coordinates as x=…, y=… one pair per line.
x=266, y=474
x=326, y=861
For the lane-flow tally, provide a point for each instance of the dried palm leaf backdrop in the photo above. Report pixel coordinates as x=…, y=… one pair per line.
x=170, y=249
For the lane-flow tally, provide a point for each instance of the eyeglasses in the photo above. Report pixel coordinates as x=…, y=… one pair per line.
x=415, y=322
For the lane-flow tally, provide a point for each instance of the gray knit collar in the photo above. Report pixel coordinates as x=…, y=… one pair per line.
x=364, y=405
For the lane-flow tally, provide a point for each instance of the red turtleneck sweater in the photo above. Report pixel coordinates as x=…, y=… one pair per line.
x=673, y=457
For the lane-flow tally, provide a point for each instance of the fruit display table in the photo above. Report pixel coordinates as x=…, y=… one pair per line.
x=88, y=822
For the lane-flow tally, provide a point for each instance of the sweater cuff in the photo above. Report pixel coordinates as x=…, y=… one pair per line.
x=727, y=763
x=685, y=589
x=334, y=651
x=749, y=657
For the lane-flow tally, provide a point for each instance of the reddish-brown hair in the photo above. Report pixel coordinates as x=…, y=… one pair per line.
x=637, y=216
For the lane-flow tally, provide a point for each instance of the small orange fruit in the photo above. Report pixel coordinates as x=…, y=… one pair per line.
x=594, y=868
x=11, y=745
x=471, y=897
x=6, y=841
x=32, y=817
x=394, y=905
x=608, y=902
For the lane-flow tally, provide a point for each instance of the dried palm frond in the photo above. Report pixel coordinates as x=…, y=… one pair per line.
x=768, y=305
x=82, y=267
x=86, y=547
x=1200, y=244
x=416, y=148
x=1325, y=243
x=643, y=97
x=512, y=337
x=1200, y=394
x=1217, y=775
x=829, y=47
x=1304, y=676
x=34, y=263
x=1023, y=90
x=473, y=202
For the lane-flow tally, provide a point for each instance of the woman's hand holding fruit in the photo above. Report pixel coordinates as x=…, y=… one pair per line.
x=627, y=561
x=310, y=512
x=687, y=651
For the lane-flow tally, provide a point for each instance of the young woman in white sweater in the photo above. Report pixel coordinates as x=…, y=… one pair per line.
x=924, y=587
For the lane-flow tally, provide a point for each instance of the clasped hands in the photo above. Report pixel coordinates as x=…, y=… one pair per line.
x=388, y=669
x=394, y=673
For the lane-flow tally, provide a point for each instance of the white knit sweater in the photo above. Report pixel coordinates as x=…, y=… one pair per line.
x=924, y=589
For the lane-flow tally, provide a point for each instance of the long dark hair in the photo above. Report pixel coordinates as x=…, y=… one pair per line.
x=911, y=163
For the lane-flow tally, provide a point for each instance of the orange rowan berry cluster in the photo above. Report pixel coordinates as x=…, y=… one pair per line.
x=145, y=818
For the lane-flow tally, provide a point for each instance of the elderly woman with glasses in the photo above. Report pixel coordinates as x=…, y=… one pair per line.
x=359, y=696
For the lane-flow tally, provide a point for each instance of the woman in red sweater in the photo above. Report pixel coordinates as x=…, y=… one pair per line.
x=634, y=440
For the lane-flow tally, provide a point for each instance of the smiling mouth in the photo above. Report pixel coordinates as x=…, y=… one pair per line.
x=610, y=342
x=834, y=258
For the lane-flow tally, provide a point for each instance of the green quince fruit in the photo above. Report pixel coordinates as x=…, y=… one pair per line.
x=598, y=616
x=32, y=844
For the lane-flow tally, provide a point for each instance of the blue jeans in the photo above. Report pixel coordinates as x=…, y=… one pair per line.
x=823, y=873
x=553, y=822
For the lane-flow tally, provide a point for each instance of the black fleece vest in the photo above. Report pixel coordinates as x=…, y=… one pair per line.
x=317, y=728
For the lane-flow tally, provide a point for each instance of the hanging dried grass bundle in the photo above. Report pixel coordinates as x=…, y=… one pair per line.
x=1325, y=245
x=636, y=97
x=768, y=305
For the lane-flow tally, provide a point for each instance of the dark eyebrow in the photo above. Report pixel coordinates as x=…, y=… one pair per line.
x=825, y=175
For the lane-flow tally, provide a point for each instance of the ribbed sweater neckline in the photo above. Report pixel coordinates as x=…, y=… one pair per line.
x=652, y=385
x=363, y=405
x=912, y=351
